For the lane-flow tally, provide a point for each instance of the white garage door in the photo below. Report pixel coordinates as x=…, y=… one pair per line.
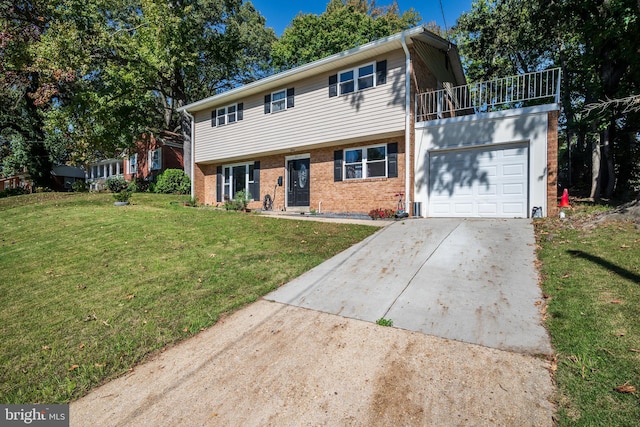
x=480, y=182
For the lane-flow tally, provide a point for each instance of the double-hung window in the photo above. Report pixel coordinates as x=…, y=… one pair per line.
x=155, y=159
x=279, y=101
x=365, y=162
x=133, y=163
x=356, y=79
x=226, y=115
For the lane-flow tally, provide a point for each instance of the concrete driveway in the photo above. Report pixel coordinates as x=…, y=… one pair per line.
x=471, y=280
x=305, y=358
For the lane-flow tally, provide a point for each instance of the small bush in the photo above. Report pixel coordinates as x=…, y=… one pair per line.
x=7, y=192
x=116, y=184
x=79, y=186
x=382, y=213
x=173, y=181
x=239, y=203
x=122, y=196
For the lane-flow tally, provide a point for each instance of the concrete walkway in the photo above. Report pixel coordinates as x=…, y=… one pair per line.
x=471, y=280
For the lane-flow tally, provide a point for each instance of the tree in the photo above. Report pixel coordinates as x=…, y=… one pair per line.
x=109, y=70
x=22, y=141
x=345, y=24
x=595, y=43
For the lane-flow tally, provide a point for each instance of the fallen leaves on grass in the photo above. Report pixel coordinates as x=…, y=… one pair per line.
x=625, y=388
x=73, y=367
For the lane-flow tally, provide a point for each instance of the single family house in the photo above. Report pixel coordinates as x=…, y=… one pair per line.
x=151, y=155
x=351, y=132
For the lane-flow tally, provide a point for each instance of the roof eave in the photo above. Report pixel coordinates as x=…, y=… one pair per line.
x=331, y=62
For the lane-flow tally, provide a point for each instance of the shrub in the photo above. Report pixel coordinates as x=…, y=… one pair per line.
x=7, y=192
x=382, y=213
x=122, y=196
x=173, y=181
x=79, y=186
x=239, y=203
x=116, y=184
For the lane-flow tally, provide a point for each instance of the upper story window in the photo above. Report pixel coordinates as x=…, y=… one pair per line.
x=279, y=101
x=226, y=115
x=359, y=78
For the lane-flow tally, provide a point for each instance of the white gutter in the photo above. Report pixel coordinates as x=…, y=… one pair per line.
x=193, y=154
x=407, y=124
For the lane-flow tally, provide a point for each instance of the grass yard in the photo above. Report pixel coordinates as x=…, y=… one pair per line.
x=88, y=290
x=591, y=275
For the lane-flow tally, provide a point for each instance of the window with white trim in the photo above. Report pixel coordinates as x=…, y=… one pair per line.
x=359, y=78
x=365, y=162
x=237, y=178
x=227, y=115
x=133, y=163
x=155, y=159
x=278, y=101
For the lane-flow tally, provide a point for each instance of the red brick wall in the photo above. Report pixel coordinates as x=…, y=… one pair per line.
x=552, y=164
x=353, y=196
x=172, y=158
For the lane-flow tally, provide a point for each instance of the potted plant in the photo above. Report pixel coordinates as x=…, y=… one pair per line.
x=122, y=198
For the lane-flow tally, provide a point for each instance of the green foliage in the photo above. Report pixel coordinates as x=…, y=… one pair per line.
x=82, y=80
x=595, y=42
x=239, y=202
x=122, y=196
x=8, y=192
x=344, y=25
x=79, y=186
x=116, y=184
x=384, y=322
x=173, y=181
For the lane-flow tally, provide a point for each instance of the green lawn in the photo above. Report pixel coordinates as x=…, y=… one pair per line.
x=591, y=274
x=88, y=289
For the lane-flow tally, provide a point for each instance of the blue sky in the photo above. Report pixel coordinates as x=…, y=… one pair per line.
x=279, y=13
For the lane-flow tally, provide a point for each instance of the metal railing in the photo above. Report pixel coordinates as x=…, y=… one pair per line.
x=500, y=94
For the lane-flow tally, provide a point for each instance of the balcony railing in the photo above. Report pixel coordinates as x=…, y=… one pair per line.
x=500, y=94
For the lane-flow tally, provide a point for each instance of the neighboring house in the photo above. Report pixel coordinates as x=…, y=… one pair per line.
x=16, y=181
x=152, y=155
x=349, y=132
x=63, y=177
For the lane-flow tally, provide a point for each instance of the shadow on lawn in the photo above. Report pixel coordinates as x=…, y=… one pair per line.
x=622, y=272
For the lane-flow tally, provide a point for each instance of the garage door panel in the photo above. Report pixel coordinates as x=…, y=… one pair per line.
x=489, y=182
x=513, y=170
x=513, y=190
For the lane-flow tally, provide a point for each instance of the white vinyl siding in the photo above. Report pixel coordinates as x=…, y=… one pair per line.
x=315, y=121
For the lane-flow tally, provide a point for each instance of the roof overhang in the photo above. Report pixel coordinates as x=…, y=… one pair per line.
x=331, y=64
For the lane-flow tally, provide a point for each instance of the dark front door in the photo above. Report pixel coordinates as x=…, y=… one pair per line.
x=298, y=185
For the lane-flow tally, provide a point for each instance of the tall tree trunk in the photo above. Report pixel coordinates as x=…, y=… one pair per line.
x=607, y=154
x=596, y=158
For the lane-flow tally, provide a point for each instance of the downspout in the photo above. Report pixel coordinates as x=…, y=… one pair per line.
x=407, y=124
x=192, y=156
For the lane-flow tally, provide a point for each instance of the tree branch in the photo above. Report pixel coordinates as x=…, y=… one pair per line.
x=629, y=104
